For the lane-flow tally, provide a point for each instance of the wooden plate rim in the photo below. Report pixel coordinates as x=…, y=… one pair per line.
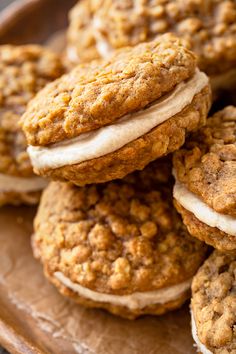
x=12, y=12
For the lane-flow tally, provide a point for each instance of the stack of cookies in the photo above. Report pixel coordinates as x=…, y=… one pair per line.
x=24, y=70
x=205, y=196
x=109, y=237
x=142, y=184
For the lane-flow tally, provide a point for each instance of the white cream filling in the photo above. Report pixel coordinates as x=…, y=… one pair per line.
x=134, y=301
x=202, y=211
x=103, y=47
x=200, y=346
x=112, y=137
x=72, y=55
x=20, y=184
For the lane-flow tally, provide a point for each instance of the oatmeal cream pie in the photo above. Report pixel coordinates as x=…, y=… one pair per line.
x=81, y=44
x=106, y=119
x=214, y=305
x=205, y=189
x=98, y=27
x=24, y=70
x=120, y=246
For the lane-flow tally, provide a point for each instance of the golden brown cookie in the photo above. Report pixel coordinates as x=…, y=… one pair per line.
x=205, y=190
x=106, y=119
x=120, y=245
x=99, y=27
x=80, y=37
x=214, y=305
x=24, y=70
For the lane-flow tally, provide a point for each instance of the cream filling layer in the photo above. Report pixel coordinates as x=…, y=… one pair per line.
x=112, y=137
x=134, y=301
x=200, y=346
x=103, y=47
x=20, y=184
x=72, y=55
x=202, y=211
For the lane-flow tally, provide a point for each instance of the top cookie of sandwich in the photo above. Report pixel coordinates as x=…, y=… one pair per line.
x=95, y=95
x=210, y=27
x=24, y=70
x=207, y=163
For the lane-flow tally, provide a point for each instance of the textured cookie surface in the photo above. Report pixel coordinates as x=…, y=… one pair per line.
x=24, y=70
x=214, y=303
x=211, y=235
x=209, y=27
x=98, y=94
x=116, y=238
x=207, y=162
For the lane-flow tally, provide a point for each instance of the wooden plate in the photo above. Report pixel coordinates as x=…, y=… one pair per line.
x=33, y=21
x=34, y=318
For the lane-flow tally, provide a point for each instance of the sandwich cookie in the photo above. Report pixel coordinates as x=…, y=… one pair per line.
x=205, y=189
x=209, y=28
x=119, y=246
x=24, y=70
x=106, y=119
x=81, y=43
x=213, y=305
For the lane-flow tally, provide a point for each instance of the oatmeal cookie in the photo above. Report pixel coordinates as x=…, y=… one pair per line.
x=205, y=189
x=214, y=305
x=81, y=42
x=120, y=245
x=24, y=70
x=106, y=119
x=209, y=28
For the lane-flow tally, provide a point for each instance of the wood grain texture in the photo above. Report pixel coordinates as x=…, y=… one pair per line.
x=43, y=18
